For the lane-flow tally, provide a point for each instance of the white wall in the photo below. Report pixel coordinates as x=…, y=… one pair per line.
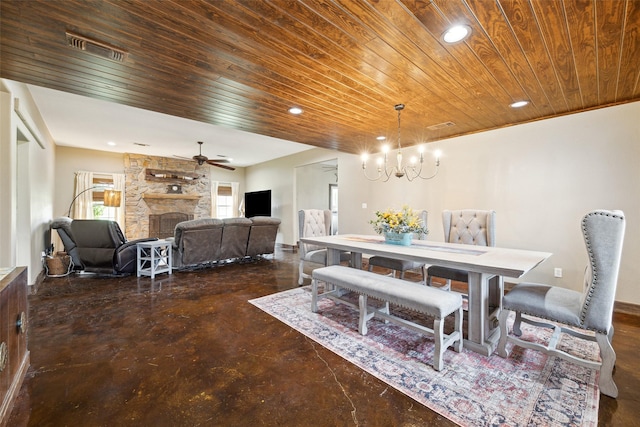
x=70, y=160
x=312, y=185
x=26, y=192
x=540, y=178
x=279, y=176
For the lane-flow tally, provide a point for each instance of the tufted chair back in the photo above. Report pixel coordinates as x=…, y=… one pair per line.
x=470, y=227
x=603, y=235
x=313, y=223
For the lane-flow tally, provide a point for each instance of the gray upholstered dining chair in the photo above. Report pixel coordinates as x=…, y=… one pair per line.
x=398, y=265
x=314, y=223
x=466, y=226
x=591, y=310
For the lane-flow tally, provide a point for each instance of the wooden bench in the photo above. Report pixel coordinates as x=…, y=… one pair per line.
x=414, y=296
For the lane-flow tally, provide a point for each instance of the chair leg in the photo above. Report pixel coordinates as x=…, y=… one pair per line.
x=608, y=355
x=516, y=324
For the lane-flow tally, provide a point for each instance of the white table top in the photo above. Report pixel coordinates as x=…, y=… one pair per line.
x=483, y=259
x=153, y=243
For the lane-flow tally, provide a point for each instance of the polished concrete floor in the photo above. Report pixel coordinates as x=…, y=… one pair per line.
x=188, y=350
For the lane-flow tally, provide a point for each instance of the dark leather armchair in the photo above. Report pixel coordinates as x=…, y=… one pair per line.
x=97, y=245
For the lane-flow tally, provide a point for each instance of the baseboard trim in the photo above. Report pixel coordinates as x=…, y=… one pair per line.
x=288, y=248
x=626, y=308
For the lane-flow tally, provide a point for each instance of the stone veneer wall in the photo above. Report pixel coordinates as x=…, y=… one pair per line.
x=137, y=208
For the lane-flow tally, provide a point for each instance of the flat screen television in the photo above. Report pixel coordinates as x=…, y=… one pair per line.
x=257, y=203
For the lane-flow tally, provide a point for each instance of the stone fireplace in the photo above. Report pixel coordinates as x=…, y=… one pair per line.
x=184, y=188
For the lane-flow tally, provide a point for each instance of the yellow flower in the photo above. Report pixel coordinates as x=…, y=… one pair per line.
x=403, y=221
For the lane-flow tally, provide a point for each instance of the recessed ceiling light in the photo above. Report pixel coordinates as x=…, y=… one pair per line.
x=381, y=138
x=519, y=104
x=456, y=33
x=111, y=143
x=295, y=110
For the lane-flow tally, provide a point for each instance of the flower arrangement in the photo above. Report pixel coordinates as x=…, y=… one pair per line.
x=403, y=221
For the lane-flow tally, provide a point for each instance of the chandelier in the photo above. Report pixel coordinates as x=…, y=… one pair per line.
x=411, y=171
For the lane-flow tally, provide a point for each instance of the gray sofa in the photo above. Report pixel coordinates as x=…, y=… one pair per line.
x=209, y=241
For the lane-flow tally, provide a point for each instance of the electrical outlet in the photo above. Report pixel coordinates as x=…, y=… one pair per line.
x=364, y=206
x=557, y=272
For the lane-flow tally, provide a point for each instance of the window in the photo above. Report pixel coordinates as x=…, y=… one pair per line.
x=224, y=202
x=100, y=211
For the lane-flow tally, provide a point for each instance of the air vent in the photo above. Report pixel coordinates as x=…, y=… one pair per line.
x=441, y=125
x=95, y=47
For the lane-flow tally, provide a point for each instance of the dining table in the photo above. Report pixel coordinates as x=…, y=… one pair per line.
x=487, y=266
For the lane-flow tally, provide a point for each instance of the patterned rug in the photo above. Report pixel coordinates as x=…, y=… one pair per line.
x=527, y=389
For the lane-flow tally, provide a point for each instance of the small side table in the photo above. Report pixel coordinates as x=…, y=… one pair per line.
x=154, y=257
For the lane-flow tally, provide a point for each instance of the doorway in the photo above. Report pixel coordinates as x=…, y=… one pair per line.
x=333, y=206
x=317, y=188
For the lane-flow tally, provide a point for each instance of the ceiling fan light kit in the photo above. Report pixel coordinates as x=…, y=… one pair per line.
x=202, y=159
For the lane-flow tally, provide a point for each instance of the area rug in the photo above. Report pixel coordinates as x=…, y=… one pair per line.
x=526, y=389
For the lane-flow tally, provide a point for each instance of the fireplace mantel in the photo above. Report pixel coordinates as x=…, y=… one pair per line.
x=170, y=196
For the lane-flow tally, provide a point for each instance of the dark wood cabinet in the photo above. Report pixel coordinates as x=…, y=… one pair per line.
x=14, y=355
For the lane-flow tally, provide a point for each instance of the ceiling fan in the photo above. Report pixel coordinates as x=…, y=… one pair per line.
x=204, y=159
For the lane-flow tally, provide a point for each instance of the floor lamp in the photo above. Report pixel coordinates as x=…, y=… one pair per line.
x=112, y=198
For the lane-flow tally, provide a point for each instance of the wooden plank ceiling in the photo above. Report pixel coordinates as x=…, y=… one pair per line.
x=243, y=63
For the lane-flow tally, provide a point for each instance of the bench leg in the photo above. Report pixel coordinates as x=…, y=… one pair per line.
x=458, y=328
x=314, y=296
x=438, y=331
x=364, y=315
x=385, y=309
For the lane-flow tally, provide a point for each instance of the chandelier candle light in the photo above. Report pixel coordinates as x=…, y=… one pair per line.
x=411, y=171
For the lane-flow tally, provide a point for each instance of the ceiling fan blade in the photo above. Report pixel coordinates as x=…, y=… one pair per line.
x=218, y=160
x=213, y=163
x=184, y=158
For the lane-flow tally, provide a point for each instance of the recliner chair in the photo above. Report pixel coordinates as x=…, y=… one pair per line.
x=97, y=245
